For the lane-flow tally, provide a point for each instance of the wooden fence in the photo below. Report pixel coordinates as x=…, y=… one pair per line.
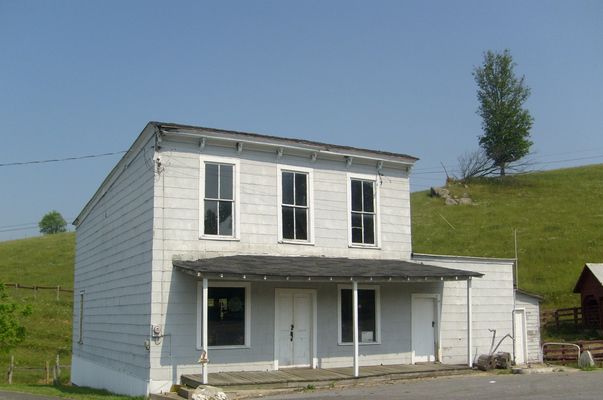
x=566, y=353
x=56, y=370
x=35, y=288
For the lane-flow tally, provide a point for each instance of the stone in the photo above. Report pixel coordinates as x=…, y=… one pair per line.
x=465, y=201
x=586, y=360
x=439, y=192
x=451, y=202
x=208, y=393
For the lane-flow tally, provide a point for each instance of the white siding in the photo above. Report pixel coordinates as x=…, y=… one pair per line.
x=531, y=305
x=113, y=267
x=492, y=306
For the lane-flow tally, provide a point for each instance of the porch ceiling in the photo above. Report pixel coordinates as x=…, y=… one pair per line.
x=281, y=268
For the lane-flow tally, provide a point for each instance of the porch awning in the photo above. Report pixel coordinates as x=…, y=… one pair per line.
x=279, y=268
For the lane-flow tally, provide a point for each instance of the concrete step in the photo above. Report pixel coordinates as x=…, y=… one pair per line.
x=165, y=396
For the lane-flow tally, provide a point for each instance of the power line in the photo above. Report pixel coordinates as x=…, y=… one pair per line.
x=18, y=163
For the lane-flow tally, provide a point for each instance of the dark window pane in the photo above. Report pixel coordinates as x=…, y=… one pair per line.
x=211, y=217
x=288, y=227
x=226, y=316
x=211, y=181
x=356, y=195
x=356, y=228
x=226, y=182
x=367, y=316
x=347, y=328
x=225, y=228
x=301, y=224
x=369, y=228
x=367, y=196
x=287, y=188
x=301, y=190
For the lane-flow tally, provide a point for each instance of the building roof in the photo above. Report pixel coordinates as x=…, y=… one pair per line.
x=529, y=294
x=167, y=127
x=278, y=268
x=595, y=269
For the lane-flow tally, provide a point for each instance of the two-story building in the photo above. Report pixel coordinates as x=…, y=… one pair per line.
x=259, y=253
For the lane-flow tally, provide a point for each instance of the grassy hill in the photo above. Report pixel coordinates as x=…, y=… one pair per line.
x=558, y=216
x=41, y=261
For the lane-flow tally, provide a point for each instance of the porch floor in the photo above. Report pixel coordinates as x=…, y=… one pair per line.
x=297, y=377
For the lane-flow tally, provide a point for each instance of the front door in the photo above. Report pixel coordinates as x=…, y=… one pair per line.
x=293, y=327
x=423, y=328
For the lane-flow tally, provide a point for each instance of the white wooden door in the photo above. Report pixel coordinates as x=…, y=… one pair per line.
x=423, y=329
x=520, y=339
x=294, y=328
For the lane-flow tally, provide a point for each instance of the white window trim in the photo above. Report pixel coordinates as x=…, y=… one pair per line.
x=364, y=177
x=377, y=290
x=279, y=200
x=81, y=318
x=247, y=287
x=438, y=302
x=236, y=235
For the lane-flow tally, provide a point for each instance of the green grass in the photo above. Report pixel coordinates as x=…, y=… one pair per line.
x=68, y=392
x=558, y=216
x=42, y=261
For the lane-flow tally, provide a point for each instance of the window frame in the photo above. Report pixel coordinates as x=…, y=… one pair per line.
x=310, y=201
x=247, y=287
x=377, y=290
x=235, y=163
x=81, y=318
x=377, y=212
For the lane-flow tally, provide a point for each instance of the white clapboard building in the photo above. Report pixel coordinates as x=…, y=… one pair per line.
x=262, y=252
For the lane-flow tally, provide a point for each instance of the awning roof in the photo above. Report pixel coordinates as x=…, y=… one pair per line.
x=278, y=268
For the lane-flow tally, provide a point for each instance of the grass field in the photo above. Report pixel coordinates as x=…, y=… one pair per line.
x=558, y=216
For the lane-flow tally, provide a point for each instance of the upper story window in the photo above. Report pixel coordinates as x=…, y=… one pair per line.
x=363, y=212
x=295, y=202
x=219, y=204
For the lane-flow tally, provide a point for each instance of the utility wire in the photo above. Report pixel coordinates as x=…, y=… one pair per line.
x=9, y=164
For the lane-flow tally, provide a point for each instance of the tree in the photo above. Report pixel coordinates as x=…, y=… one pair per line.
x=11, y=331
x=505, y=123
x=52, y=222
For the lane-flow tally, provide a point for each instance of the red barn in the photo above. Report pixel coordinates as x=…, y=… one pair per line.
x=590, y=287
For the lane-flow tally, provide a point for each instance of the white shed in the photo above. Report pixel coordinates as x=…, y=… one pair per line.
x=527, y=327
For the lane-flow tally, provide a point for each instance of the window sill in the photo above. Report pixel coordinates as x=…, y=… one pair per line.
x=360, y=344
x=364, y=246
x=220, y=238
x=286, y=241
x=236, y=347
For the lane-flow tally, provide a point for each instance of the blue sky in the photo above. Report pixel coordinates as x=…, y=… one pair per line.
x=80, y=78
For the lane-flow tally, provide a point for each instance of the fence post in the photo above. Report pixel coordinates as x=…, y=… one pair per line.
x=47, y=370
x=58, y=371
x=35, y=289
x=576, y=318
x=557, y=319
x=11, y=368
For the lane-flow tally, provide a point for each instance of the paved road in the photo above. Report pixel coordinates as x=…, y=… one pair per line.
x=553, y=386
x=24, y=396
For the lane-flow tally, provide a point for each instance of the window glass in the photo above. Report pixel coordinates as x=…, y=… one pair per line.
x=226, y=182
x=211, y=181
x=226, y=316
x=356, y=195
x=367, y=316
x=219, y=199
x=368, y=228
x=367, y=196
x=294, y=205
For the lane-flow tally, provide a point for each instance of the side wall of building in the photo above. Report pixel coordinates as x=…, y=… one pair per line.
x=113, y=278
x=531, y=305
x=492, y=306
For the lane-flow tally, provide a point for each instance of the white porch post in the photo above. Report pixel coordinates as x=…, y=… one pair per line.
x=204, y=329
x=355, y=323
x=469, y=324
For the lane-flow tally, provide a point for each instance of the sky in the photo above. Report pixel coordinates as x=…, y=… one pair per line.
x=83, y=78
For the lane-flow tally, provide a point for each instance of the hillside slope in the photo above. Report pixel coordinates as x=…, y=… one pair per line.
x=40, y=261
x=558, y=216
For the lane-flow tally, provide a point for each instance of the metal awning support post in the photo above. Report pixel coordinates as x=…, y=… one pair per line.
x=469, y=324
x=204, y=330
x=355, y=324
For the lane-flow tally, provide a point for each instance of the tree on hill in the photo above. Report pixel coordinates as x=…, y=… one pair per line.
x=506, y=124
x=52, y=222
x=11, y=331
